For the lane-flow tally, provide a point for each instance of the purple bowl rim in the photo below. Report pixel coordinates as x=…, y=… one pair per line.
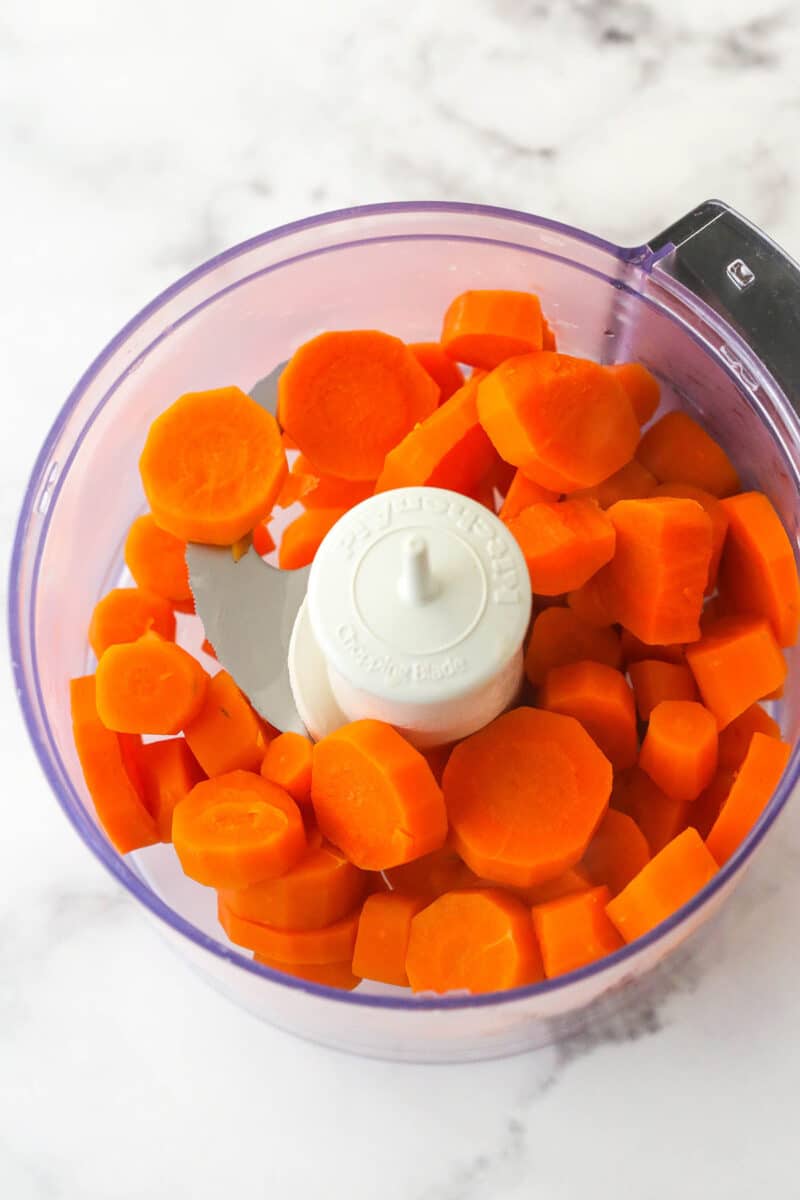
x=102, y=849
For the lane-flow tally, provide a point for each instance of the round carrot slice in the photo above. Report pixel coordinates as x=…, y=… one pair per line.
x=333, y=944
x=484, y=327
x=157, y=561
x=125, y=615
x=149, y=686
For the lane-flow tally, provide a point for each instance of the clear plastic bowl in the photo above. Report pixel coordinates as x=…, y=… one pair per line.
x=393, y=267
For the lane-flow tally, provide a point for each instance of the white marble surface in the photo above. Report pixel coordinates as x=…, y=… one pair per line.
x=136, y=140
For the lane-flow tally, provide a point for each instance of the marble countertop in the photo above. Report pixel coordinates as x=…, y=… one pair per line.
x=137, y=140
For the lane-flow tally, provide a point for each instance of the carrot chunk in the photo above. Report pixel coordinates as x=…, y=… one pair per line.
x=384, y=929
x=168, y=771
x=616, y=853
x=735, y=738
x=296, y=947
x=566, y=884
x=716, y=513
x=157, y=562
x=432, y=875
x=678, y=450
x=594, y=601
x=574, y=931
x=641, y=388
x=601, y=699
x=634, y=650
x=654, y=681
x=263, y=542
x=226, y=735
x=480, y=940
x=149, y=686
x=523, y=492
x=559, y=636
x=679, y=751
x=668, y=882
x=125, y=615
x=758, y=571
x=437, y=362
x=564, y=544
x=704, y=811
x=326, y=491
x=735, y=664
x=287, y=762
x=749, y=795
x=301, y=539
x=333, y=975
x=483, y=328
x=631, y=482
x=659, y=817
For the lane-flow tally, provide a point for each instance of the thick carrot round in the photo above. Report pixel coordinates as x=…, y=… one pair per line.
x=601, y=699
x=523, y=492
x=616, y=853
x=212, y=466
x=717, y=515
x=641, y=388
x=503, y=785
x=659, y=817
x=735, y=738
x=149, y=686
x=574, y=931
x=227, y=734
x=735, y=664
x=302, y=538
x=157, y=561
x=437, y=362
x=679, y=751
x=678, y=450
x=631, y=482
x=432, y=875
x=332, y=944
x=333, y=975
x=749, y=795
x=654, y=681
x=480, y=940
x=125, y=615
x=668, y=882
x=237, y=830
x=758, y=572
x=564, y=544
x=287, y=762
x=565, y=421
x=483, y=328
x=375, y=796
x=384, y=929
x=347, y=398
x=559, y=636
x=169, y=771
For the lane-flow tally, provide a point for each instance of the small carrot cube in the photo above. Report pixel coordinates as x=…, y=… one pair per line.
x=717, y=516
x=668, y=882
x=601, y=699
x=575, y=931
x=735, y=664
x=749, y=795
x=654, y=681
x=679, y=751
x=678, y=450
x=631, y=482
x=384, y=928
x=564, y=544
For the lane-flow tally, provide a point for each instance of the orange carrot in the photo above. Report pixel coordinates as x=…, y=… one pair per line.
x=347, y=398
x=668, y=882
x=594, y=602
x=758, y=572
x=481, y=940
x=212, y=466
x=287, y=762
x=717, y=514
x=149, y=686
x=332, y=975
x=236, y=830
x=631, y=482
x=125, y=615
x=679, y=751
x=157, y=562
x=523, y=492
x=659, y=817
x=735, y=664
x=559, y=636
x=384, y=929
x=641, y=387
x=483, y=328
x=375, y=796
x=566, y=884
x=120, y=808
x=548, y=336
x=601, y=699
x=440, y=366
x=574, y=931
x=302, y=538
x=749, y=795
x=328, y=492
x=634, y=650
x=654, y=681
x=678, y=450
x=293, y=489
x=617, y=852
x=169, y=771
x=263, y=542
x=332, y=944
x=565, y=421
x=564, y=544
x=208, y=649
x=432, y=875
x=503, y=784
x=226, y=735
x=704, y=811
x=735, y=738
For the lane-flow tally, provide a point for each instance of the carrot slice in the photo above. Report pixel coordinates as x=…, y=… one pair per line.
x=522, y=492
x=437, y=362
x=480, y=940
x=717, y=515
x=169, y=771
x=617, y=852
x=758, y=572
x=631, y=482
x=735, y=738
x=601, y=699
x=704, y=811
x=320, y=889
x=212, y=466
x=668, y=882
x=574, y=931
x=593, y=602
x=749, y=795
x=559, y=636
x=634, y=650
x=332, y=944
x=236, y=830
x=565, y=421
x=125, y=615
x=654, y=681
x=302, y=538
x=120, y=807
x=735, y=664
x=679, y=751
x=375, y=796
x=503, y=784
x=263, y=542
x=678, y=450
x=483, y=328
x=432, y=875
x=294, y=488
x=287, y=762
x=328, y=492
x=347, y=398
x=566, y=884
x=149, y=686
x=333, y=975
x=564, y=544
x=659, y=817
x=226, y=735
x=641, y=388
x=384, y=929
x=157, y=562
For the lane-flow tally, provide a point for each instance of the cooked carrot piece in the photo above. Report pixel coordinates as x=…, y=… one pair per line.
x=226, y=735
x=631, y=482
x=125, y=615
x=704, y=811
x=601, y=699
x=212, y=466
x=735, y=664
x=559, y=636
x=567, y=884
x=548, y=336
x=654, y=681
x=659, y=817
x=679, y=751
x=634, y=650
x=749, y=795
x=717, y=515
x=668, y=882
x=481, y=940
x=565, y=421
x=302, y=538
x=483, y=328
x=236, y=830
x=384, y=929
x=263, y=542
x=617, y=852
x=169, y=771
x=157, y=561
x=375, y=796
x=208, y=649
x=758, y=572
x=293, y=489
x=332, y=944
x=437, y=362
x=432, y=875
x=449, y=449
x=594, y=602
x=574, y=931
x=503, y=784
x=333, y=975
x=318, y=890
x=287, y=762
x=120, y=807
x=149, y=686
x=564, y=544
x=678, y=450
x=347, y=398
x=326, y=491
x=641, y=387
x=735, y=738
x=523, y=492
